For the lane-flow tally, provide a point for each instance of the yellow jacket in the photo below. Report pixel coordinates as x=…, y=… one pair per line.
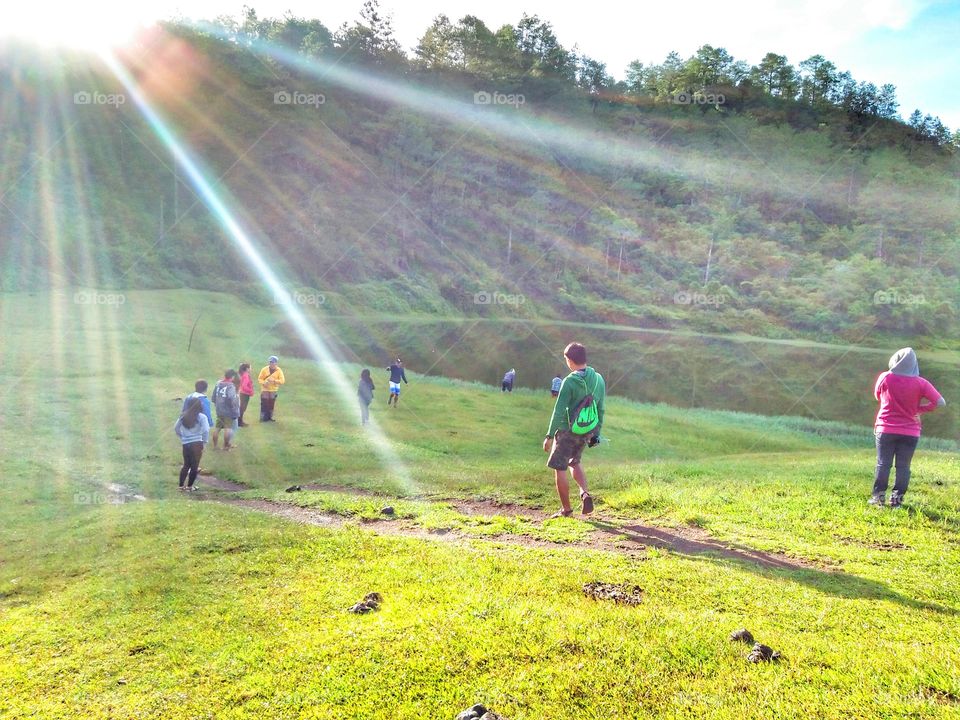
x=271, y=382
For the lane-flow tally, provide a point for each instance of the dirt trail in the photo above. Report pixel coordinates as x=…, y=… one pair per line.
x=610, y=535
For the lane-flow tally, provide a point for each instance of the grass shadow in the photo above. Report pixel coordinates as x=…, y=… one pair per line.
x=702, y=548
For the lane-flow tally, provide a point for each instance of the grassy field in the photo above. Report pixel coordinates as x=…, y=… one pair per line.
x=170, y=608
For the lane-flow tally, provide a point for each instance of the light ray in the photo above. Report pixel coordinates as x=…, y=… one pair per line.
x=255, y=259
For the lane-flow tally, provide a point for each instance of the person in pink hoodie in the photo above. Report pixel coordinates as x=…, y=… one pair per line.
x=904, y=396
x=245, y=389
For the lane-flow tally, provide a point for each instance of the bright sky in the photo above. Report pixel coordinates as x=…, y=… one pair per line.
x=910, y=43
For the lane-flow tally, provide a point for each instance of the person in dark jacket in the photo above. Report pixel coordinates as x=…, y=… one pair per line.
x=396, y=375
x=508, y=377
x=227, y=401
x=903, y=396
x=365, y=395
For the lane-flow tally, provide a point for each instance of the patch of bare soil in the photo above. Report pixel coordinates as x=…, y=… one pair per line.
x=885, y=545
x=628, y=539
x=620, y=594
x=490, y=508
x=694, y=541
x=212, y=481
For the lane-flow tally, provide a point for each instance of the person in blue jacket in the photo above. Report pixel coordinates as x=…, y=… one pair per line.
x=200, y=388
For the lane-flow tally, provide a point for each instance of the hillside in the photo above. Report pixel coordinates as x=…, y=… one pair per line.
x=121, y=597
x=381, y=187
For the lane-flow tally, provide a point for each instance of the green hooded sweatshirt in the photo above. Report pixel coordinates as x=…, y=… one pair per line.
x=576, y=386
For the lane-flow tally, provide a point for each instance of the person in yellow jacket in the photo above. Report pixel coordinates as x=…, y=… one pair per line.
x=270, y=378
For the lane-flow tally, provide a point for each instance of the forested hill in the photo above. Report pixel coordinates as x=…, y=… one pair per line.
x=488, y=172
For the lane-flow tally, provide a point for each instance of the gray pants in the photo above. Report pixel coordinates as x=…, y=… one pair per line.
x=892, y=446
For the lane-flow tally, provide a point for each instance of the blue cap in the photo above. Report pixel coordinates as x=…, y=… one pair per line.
x=273, y=359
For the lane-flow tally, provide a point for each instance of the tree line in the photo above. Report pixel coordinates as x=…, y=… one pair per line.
x=527, y=56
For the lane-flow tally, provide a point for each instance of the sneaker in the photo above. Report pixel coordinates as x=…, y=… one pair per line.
x=560, y=514
x=896, y=500
x=587, y=503
x=877, y=499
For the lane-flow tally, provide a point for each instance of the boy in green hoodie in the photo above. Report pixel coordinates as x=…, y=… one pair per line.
x=566, y=437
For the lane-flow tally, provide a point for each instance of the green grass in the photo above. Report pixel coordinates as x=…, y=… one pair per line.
x=169, y=608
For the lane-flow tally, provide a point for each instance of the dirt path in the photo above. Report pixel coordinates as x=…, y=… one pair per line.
x=610, y=535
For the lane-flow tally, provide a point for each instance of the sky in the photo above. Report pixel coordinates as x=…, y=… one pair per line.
x=910, y=43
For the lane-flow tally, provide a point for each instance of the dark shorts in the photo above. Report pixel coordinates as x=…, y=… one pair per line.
x=225, y=423
x=555, y=392
x=567, y=449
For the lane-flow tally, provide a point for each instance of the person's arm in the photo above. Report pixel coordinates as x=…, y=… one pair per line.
x=279, y=379
x=205, y=404
x=177, y=426
x=262, y=377
x=403, y=374
x=934, y=399
x=559, y=418
x=206, y=430
x=876, y=387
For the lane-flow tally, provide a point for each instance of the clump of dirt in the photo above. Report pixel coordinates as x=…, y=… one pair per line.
x=941, y=697
x=620, y=594
x=388, y=510
x=763, y=653
x=742, y=635
x=294, y=488
x=370, y=602
x=479, y=712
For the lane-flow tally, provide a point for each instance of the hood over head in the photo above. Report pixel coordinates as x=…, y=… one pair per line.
x=904, y=362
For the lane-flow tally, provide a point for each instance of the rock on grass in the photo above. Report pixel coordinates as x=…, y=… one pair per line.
x=479, y=712
x=473, y=713
x=763, y=653
x=742, y=635
x=371, y=601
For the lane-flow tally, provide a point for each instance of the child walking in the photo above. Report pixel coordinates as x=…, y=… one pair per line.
x=246, y=390
x=365, y=390
x=193, y=429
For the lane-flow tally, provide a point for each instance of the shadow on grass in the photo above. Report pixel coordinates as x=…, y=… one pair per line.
x=704, y=548
x=949, y=523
